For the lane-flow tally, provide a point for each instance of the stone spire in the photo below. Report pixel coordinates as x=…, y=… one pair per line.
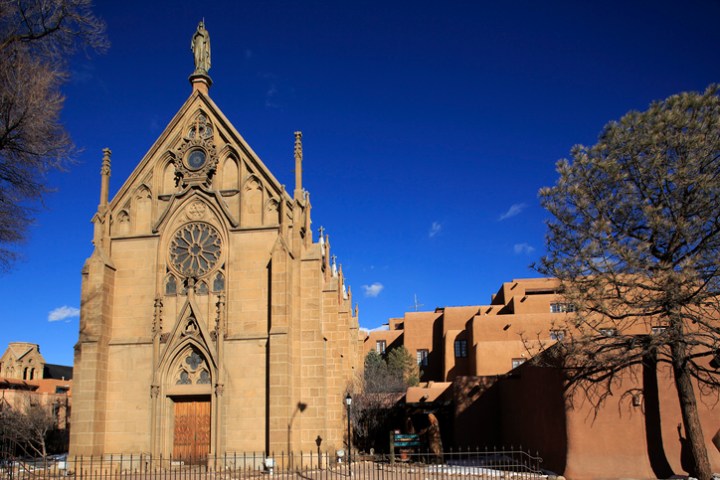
x=200, y=46
x=298, y=166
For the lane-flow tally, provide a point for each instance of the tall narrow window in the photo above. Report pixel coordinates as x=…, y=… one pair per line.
x=219, y=282
x=461, y=349
x=170, y=285
x=422, y=357
x=380, y=346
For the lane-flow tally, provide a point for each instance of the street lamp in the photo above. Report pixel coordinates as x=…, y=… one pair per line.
x=348, y=402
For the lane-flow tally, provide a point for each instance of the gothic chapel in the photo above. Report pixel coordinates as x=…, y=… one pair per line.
x=211, y=322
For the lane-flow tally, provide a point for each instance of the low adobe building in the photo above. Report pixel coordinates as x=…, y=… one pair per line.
x=474, y=364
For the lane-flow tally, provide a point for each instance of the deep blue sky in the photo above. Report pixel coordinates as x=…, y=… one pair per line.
x=428, y=128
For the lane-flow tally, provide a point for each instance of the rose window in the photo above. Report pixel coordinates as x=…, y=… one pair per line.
x=195, y=249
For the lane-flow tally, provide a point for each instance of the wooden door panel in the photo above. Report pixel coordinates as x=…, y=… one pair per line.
x=191, y=437
x=202, y=429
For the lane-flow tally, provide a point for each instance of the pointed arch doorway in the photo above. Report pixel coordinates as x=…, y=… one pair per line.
x=189, y=405
x=191, y=432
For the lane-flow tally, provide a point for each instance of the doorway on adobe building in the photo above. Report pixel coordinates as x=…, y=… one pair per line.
x=191, y=432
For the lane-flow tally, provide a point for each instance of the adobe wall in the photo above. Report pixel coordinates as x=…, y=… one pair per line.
x=532, y=414
x=633, y=434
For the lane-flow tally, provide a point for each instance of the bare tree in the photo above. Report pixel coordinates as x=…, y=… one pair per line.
x=26, y=429
x=376, y=405
x=634, y=239
x=36, y=39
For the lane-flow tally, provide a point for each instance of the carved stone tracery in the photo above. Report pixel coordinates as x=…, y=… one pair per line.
x=192, y=369
x=195, y=249
x=199, y=137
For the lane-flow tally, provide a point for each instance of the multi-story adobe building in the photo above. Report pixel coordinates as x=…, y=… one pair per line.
x=473, y=360
x=477, y=340
x=211, y=322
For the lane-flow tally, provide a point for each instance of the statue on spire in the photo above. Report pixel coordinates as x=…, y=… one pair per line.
x=200, y=46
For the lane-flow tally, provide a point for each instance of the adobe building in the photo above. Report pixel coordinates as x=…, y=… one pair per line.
x=478, y=339
x=476, y=379
x=211, y=322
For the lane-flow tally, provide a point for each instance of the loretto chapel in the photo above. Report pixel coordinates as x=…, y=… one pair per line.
x=209, y=313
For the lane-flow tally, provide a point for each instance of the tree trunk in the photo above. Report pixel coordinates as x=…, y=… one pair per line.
x=691, y=419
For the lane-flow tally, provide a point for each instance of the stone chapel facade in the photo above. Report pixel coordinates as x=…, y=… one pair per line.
x=211, y=322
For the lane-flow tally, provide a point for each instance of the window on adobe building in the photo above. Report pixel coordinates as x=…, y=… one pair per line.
x=380, y=347
x=561, y=307
x=608, y=332
x=658, y=330
x=516, y=362
x=422, y=357
x=557, y=335
x=461, y=348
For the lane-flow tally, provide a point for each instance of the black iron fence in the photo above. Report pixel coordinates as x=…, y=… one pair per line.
x=407, y=464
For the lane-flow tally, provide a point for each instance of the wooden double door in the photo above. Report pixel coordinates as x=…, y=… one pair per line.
x=191, y=437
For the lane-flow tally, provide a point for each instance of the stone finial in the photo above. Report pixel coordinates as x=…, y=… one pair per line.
x=105, y=169
x=105, y=178
x=298, y=166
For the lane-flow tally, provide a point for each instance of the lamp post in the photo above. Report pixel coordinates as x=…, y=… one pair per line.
x=348, y=402
x=318, y=442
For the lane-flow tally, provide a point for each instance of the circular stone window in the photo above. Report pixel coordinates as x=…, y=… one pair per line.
x=195, y=249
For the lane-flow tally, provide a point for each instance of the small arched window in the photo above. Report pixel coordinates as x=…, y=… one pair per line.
x=219, y=282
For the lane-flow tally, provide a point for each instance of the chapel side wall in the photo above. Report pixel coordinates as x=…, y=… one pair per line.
x=247, y=286
x=334, y=322
x=279, y=395
x=311, y=423
x=129, y=372
x=128, y=416
x=244, y=407
x=90, y=359
x=245, y=363
x=135, y=283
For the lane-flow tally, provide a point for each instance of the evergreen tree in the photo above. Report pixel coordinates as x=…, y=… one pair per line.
x=635, y=240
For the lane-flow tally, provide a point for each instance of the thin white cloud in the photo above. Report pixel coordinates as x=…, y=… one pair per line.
x=376, y=329
x=63, y=313
x=373, y=290
x=435, y=228
x=515, y=209
x=523, y=249
x=270, y=97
